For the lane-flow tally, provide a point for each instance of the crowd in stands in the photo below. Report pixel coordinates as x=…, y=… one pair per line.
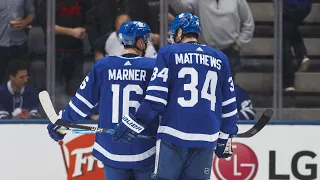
x=227, y=25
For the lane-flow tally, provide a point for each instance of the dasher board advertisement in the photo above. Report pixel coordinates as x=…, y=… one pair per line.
x=277, y=152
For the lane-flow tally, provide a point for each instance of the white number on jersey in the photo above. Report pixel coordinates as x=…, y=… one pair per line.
x=126, y=102
x=162, y=74
x=210, y=83
x=84, y=83
x=231, y=84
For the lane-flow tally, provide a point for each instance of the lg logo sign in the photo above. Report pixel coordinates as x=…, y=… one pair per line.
x=301, y=167
x=243, y=165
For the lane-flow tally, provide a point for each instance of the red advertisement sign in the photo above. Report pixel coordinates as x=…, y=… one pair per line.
x=81, y=164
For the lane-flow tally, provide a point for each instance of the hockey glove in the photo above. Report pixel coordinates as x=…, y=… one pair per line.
x=224, y=146
x=128, y=129
x=54, y=133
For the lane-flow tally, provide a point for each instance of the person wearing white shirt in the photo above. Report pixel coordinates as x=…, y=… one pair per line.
x=113, y=46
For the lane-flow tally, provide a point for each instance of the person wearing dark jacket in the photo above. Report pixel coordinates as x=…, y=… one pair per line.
x=18, y=100
x=70, y=29
x=294, y=12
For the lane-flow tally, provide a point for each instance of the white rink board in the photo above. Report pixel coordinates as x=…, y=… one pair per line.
x=27, y=152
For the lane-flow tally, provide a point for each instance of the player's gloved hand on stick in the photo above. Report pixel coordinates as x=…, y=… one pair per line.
x=54, y=133
x=128, y=129
x=224, y=146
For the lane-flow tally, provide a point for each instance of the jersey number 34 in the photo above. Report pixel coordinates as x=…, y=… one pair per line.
x=208, y=89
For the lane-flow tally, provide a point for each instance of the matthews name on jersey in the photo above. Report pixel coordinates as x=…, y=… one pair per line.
x=193, y=89
x=118, y=83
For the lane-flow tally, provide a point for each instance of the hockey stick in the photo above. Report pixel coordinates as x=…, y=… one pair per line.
x=53, y=117
x=264, y=119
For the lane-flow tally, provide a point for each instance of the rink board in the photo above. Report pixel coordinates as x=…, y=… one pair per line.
x=283, y=150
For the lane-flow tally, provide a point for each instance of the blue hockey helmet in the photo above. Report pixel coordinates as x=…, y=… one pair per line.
x=130, y=31
x=188, y=23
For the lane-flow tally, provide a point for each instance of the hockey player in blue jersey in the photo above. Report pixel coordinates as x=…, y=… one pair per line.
x=192, y=88
x=119, y=84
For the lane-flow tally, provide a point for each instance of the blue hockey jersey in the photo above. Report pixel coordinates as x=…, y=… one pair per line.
x=119, y=85
x=244, y=106
x=26, y=99
x=193, y=89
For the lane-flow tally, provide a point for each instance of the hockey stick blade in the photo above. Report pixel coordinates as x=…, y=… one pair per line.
x=53, y=117
x=48, y=107
x=264, y=119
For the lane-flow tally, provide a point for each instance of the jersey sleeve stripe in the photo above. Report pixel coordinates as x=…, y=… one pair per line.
x=73, y=107
x=156, y=99
x=86, y=102
x=232, y=113
x=188, y=136
x=34, y=111
x=157, y=88
x=4, y=112
x=2, y=116
x=223, y=135
x=229, y=101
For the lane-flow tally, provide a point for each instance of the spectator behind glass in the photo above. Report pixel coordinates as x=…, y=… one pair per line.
x=113, y=46
x=18, y=100
x=294, y=12
x=15, y=16
x=226, y=24
x=102, y=17
x=70, y=30
x=244, y=104
x=154, y=8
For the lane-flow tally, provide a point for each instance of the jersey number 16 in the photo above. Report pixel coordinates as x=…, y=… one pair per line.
x=126, y=102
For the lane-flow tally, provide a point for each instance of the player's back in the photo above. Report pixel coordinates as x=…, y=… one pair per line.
x=197, y=92
x=123, y=82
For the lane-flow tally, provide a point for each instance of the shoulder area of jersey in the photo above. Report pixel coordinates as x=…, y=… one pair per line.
x=29, y=88
x=238, y=88
x=3, y=87
x=190, y=46
x=103, y=62
x=184, y=44
x=107, y=59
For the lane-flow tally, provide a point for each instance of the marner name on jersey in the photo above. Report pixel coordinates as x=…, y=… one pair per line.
x=127, y=74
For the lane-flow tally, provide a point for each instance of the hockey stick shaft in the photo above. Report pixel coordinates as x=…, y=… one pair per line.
x=264, y=119
x=53, y=117
x=93, y=130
